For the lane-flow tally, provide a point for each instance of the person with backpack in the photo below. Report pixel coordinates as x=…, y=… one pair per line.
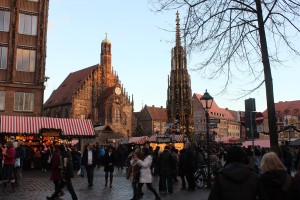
x=66, y=170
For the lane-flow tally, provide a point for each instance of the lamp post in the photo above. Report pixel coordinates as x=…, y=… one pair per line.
x=206, y=101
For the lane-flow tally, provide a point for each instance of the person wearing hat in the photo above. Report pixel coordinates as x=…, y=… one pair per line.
x=235, y=180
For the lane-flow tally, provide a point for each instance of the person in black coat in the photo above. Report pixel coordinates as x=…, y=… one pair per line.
x=236, y=180
x=109, y=165
x=89, y=161
x=181, y=172
x=66, y=170
x=166, y=163
x=275, y=182
x=189, y=165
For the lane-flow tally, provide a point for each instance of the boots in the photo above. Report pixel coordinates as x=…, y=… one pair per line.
x=110, y=181
x=4, y=186
x=12, y=187
x=106, y=181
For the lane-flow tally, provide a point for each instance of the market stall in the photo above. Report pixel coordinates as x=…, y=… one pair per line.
x=161, y=140
x=261, y=143
x=138, y=140
x=35, y=132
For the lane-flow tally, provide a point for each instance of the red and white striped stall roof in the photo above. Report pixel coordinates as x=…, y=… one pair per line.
x=175, y=138
x=33, y=125
x=138, y=140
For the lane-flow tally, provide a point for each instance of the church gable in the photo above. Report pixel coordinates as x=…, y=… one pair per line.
x=63, y=94
x=82, y=99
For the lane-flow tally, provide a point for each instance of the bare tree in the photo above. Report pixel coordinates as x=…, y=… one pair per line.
x=231, y=36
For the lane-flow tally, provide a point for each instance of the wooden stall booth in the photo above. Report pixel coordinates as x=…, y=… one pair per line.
x=161, y=140
x=36, y=132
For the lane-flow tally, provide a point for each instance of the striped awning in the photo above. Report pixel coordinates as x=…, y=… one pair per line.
x=33, y=125
x=175, y=138
x=138, y=140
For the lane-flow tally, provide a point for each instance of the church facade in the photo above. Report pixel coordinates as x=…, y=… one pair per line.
x=94, y=93
x=179, y=97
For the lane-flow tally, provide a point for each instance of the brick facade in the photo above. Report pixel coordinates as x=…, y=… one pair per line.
x=94, y=93
x=11, y=79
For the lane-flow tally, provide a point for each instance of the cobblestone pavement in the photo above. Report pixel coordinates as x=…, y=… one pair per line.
x=36, y=185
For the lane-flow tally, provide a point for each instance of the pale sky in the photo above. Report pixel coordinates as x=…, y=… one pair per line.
x=141, y=52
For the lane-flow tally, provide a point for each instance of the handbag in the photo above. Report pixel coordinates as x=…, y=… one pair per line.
x=17, y=162
x=49, y=159
x=80, y=172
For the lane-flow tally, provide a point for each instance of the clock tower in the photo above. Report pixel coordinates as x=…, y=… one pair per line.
x=179, y=102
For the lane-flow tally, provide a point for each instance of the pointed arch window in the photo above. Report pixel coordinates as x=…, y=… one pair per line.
x=117, y=114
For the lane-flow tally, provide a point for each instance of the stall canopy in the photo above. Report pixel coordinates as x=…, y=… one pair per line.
x=34, y=125
x=261, y=143
x=175, y=138
x=138, y=140
x=227, y=140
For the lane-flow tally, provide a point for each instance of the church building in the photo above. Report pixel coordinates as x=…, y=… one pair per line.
x=179, y=102
x=94, y=93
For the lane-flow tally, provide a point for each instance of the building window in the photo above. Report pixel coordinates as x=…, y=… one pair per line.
x=25, y=60
x=2, y=100
x=3, y=57
x=4, y=20
x=117, y=116
x=24, y=101
x=28, y=24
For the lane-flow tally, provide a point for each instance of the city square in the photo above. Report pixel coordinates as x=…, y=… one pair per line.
x=151, y=99
x=36, y=185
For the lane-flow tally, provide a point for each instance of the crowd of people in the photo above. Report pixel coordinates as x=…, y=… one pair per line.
x=241, y=173
x=11, y=163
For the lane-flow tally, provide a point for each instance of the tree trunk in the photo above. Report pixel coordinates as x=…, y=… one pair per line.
x=268, y=81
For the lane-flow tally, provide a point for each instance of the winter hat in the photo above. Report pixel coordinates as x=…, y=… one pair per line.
x=235, y=154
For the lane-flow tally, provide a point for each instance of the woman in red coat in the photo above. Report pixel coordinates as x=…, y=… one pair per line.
x=55, y=167
x=9, y=163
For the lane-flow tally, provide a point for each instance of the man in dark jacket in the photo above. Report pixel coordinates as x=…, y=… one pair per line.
x=89, y=160
x=235, y=180
x=189, y=165
x=181, y=172
x=166, y=164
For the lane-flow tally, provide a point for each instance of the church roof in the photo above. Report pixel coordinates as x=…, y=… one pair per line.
x=63, y=94
x=106, y=40
x=215, y=111
x=157, y=113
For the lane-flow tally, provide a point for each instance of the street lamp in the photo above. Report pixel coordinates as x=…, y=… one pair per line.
x=206, y=101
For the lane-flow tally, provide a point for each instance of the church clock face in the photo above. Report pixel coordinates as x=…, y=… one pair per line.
x=118, y=90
